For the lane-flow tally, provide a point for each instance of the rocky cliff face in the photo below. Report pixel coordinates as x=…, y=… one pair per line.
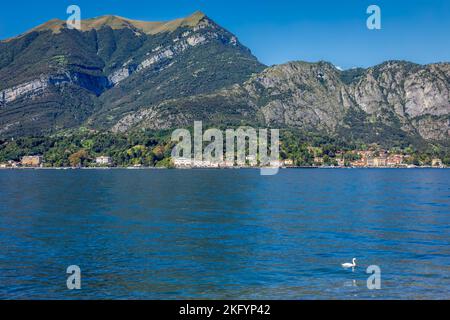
x=305, y=95
x=171, y=50
x=298, y=94
x=395, y=100
x=38, y=87
x=416, y=96
x=30, y=88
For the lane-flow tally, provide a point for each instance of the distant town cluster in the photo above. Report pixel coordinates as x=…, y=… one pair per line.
x=38, y=162
x=351, y=159
x=357, y=159
x=374, y=159
x=153, y=149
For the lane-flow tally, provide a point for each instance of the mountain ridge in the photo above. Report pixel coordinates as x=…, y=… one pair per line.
x=121, y=74
x=117, y=22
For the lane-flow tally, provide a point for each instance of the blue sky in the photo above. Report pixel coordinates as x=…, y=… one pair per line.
x=278, y=31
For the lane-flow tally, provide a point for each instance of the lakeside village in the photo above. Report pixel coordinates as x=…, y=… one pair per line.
x=350, y=159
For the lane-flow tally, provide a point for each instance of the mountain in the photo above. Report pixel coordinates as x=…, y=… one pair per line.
x=53, y=78
x=397, y=101
x=120, y=74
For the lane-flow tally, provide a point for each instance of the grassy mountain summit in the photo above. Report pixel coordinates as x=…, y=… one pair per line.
x=118, y=74
x=117, y=23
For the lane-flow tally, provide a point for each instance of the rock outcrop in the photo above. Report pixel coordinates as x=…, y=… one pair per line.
x=395, y=98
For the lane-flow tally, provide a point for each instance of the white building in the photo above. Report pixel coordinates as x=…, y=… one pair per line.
x=205, y=164
x=103, y=160
x=32, y=161
x=227, y=164
x=436, y=163
x=252, y=160
x=275, y=164
x=182, y=162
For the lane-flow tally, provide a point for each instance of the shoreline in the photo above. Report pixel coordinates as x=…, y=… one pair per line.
x=236, y=168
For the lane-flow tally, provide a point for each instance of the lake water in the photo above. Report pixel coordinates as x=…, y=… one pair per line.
x=231, y=234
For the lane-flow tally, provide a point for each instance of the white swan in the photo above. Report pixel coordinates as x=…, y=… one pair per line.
x=349, y=265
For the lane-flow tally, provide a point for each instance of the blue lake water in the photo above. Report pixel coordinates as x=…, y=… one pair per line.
x=231, y=234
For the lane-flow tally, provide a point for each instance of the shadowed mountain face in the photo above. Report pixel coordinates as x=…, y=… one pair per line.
x=122, y=74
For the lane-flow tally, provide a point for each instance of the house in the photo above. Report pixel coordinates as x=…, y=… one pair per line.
x=32, y=161
x=212, y=164
x=436, y=163
x=380, y=161
x=376, y=161
x=358, y=163
x=252, y=160
x=341, y=162
x=275, y=164
x=199, y=164
x=227, y=164
x=13, y=164
x=103, y=160
x=288, y=163
x=182, y=162
x=394, y=160
x=365, y=154
x=205, y=164
x=318, y=160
